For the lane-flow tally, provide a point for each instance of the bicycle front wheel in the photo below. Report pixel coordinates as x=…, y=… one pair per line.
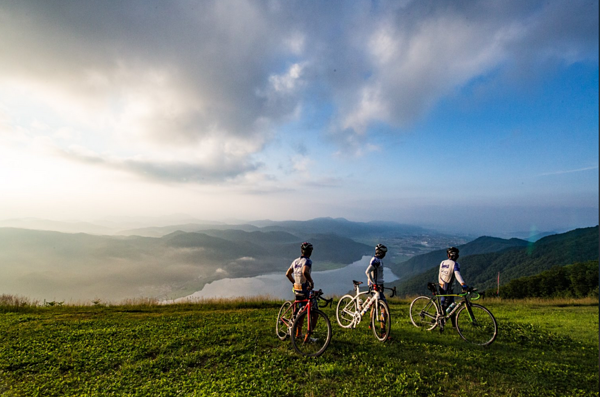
x=476, y=325
x=346, y=309
x=311, y=334
x=285, y=319
x=381, y=321
x=423, y=313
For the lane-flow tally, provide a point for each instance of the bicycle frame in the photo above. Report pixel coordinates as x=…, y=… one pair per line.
x=313, y=298
x=363, y=307
x=466, y=300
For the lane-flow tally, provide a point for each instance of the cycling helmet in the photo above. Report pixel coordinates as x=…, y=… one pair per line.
x=306, y=249
x=452, y=253
x=380, y=250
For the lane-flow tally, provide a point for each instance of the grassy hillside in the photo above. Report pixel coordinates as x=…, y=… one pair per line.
x=481, y=270
x=230, y=348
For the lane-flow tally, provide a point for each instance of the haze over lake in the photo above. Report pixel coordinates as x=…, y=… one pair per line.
x=276, y=285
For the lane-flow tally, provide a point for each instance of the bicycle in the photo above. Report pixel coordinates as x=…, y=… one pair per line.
x=350, y=310
x=474, y=323
x=315, y=341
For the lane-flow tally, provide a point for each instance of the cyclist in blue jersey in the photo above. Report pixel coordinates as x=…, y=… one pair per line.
x=450, y=271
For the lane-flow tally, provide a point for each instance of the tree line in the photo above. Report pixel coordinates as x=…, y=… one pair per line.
x=577, y=280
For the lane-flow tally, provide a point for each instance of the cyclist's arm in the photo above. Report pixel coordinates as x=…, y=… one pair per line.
x=288, y=274
x=458, y=276
x=369, y=272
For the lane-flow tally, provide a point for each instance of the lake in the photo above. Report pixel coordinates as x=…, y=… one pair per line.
x=276, y=285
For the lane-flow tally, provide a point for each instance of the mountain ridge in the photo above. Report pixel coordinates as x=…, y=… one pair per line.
x=481, y=270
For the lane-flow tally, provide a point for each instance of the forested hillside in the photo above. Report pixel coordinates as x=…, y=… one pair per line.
x=578, y=280
x=485, y=244
x=481, y=271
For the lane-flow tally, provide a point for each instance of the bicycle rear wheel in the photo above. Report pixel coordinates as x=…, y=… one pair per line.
x=285, y=319
x=423, y=313
x=381, y=321
x=346, y=309
x=477, y=325
x=315, y=341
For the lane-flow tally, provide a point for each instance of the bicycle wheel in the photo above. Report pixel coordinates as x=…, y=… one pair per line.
x=285, y=319
x=314, y=342
x=381, y=321
x=476, y=325
x=423, y=313
x=345, y=311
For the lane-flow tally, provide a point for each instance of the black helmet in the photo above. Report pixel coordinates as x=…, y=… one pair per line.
x=306, y=248
x=452, y=253
x=380, y=250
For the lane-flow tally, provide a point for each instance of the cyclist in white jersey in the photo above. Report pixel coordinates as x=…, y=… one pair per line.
x=374, y=271
x=299, y=274
x=450, y=271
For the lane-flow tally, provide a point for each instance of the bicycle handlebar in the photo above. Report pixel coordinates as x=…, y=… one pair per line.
x=472, y=292
x=328, y=302
x=319, y=295
x=391, y=289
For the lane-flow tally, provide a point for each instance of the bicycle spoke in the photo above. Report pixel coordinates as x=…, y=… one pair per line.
x=285, y=319
x=476, y=325
x=311, y=336
x=423, y=313
x=345, y=311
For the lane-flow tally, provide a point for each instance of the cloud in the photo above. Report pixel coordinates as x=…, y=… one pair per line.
x=213, y=171
x=569, y=171
x=200, y=88
x=423, y=51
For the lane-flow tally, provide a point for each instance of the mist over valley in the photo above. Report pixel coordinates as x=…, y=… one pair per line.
x=168, y=262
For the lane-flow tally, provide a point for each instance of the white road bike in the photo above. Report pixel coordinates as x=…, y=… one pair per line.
x=351, y=309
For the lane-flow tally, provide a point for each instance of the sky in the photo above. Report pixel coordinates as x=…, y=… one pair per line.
x=467, y=116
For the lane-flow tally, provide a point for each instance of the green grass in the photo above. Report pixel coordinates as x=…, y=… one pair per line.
x=230, y=348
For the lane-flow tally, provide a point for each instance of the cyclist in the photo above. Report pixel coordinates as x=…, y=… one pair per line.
x=374, y=272
x=450, y=271
x=299, y=274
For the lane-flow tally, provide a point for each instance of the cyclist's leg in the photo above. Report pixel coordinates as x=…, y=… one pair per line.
x=299, y=306
x=381, y=321
x=383, y=308
x=446, y=301
x=314, y=318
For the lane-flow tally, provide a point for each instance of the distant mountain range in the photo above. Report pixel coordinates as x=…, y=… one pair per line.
x=481, y=269
x=172, y=261
x=339, y=226
x=52, y=265
x=162, y=226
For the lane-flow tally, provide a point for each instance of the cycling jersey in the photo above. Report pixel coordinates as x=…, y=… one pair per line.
x=449, y=270
x=297, y=266
x=375, y=271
